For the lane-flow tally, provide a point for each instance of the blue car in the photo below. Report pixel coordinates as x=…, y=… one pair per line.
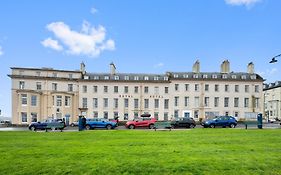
x=100, y=123
x=52, y=124
x=222, y=121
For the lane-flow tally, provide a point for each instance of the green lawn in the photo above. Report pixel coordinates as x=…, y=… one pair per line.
x=196, y=151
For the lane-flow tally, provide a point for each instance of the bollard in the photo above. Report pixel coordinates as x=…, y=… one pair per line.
x=80, y=125
x=259, y=118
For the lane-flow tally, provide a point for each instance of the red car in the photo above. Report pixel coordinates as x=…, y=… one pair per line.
x=143, y=121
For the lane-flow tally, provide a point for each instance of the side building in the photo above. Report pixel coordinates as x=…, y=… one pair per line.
x=272, y=100
x=38, y=94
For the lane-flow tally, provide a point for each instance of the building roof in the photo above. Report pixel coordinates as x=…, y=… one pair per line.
x=175, y=76
x=46, y=69
x=269, y=86
x=166, y=77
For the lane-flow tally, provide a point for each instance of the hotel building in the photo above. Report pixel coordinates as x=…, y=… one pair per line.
x=41, y=93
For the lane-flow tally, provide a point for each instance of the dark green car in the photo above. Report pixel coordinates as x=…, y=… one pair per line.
x=183, y=122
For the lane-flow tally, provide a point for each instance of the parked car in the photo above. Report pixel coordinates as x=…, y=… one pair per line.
x=5, y=123
x=75, y=123
x=100, y=123
x=222, y=121
x=144, y=121
x=52, y=124
x=185, y=122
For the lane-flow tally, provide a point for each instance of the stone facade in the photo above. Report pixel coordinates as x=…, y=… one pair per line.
x=39, y=94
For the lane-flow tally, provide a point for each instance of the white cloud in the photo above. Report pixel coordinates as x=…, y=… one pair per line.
x=90, y=41
x=158, y=65
x=247, y=3
x=52, y=44
x=1, y=51
x=269, y=74
x=94, y=10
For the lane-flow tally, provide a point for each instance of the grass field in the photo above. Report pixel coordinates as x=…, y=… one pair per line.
x=197, y=151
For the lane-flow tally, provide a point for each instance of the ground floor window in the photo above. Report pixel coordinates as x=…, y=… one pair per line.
x=105, y=115
x=33, y=117
x=176, y=113
x=156, y=114
x=126, y=116
x=166, y=114
x=196, y=113
x=236, y=114
x=23, y=117
x=115, y=114
x=96, y=114
x=136, y=114
x=210, y=114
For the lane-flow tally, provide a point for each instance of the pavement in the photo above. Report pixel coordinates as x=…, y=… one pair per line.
x=69, y=128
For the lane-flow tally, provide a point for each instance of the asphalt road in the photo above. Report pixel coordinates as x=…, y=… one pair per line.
x=69, y=128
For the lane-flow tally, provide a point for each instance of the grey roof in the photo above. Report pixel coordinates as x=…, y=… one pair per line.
x=240, y=76
x=269, y=86
x=216, y=76
x=127, y=77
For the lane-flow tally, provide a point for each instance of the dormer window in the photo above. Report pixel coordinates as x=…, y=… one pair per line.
x=166, y=78
x=214, y=76
x=156, y=78
x=116, y=77
x=70, y=76
x=224, y=76
x=205, y=76
x=185, y=76
x=38, y=73
x=146, y=78
x=55, y=74
x=126, y=77
x=96, y=77
x=253, y=77
x=176, y=75
x=243, y=77
x=106, y=77
x=195, y=76
x=136, y=78
x=233, y=77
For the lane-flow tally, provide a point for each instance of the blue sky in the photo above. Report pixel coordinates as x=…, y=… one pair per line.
x=138, y=36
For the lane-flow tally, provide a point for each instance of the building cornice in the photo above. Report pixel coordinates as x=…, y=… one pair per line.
x=44, y=69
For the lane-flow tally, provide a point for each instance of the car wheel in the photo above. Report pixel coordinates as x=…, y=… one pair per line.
x=131, y=127
x=88, y=127
x=232, y=125
x=72, y=125
x=108, y=127
x=212, y=126
x=192, y=126
x=53, y=128
x=33, y=128
x=151, y=126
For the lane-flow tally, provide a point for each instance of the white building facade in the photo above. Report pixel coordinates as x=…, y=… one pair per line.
x=38, y=94
x=272, y=100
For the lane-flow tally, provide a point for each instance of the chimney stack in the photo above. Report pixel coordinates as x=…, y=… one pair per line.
x=82, y=68
x=251, y=68
x=196, y=67
x=112, y=69
x=225, y=66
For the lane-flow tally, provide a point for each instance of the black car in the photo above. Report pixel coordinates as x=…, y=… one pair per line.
x=52, y=124
x=183, y=122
